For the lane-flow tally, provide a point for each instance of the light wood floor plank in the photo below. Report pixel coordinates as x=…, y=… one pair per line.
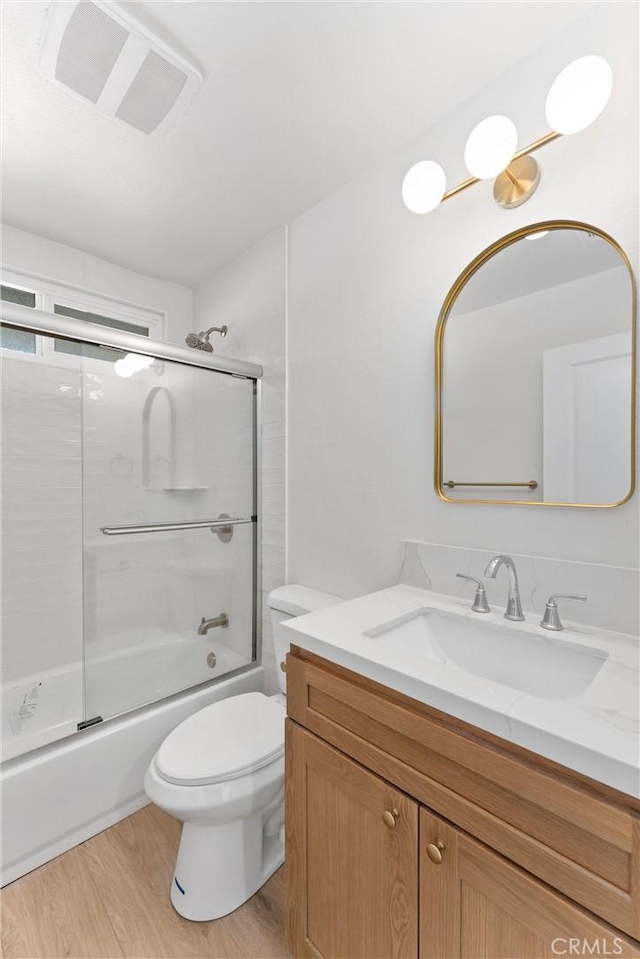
x=56, y=912
x=109, y=899
x=132, y=866
x=259, y=927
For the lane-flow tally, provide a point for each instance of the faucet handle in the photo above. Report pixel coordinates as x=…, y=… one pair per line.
x=551, y=618
x=480, y=604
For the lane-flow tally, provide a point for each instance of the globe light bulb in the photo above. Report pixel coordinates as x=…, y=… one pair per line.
x=490, y=147
x=424, y=186
x=579, y=94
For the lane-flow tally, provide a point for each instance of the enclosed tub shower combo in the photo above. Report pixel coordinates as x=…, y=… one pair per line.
x=130, y=564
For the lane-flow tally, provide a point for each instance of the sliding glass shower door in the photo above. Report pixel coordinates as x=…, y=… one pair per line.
x=169, y=536
x=41, y=550
x=128, y=517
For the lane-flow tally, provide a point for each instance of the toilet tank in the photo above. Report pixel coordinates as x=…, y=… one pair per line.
x=285, y=602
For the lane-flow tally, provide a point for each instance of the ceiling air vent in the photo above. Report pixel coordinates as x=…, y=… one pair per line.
x=92, y=48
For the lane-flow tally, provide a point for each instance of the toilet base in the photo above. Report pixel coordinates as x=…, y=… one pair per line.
x=219, y=867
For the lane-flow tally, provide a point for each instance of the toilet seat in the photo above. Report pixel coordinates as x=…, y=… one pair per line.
x=224, y=741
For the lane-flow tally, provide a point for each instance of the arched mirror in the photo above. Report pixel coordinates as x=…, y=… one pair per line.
x=535, y=372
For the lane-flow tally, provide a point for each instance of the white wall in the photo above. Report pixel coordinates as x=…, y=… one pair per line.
x=366, y=283
x=45, y=258
x=248, y=296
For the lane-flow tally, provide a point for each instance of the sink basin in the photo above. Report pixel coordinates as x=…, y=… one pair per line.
x=542, y=666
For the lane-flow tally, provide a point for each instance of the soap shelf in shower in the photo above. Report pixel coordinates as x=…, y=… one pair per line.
x=182, y=489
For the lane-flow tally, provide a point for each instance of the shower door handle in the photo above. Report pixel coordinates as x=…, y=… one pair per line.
x=168, y=527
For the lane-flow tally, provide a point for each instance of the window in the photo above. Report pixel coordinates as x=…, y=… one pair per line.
x=42, y=294
x=90, y=349
x=22, y=297
x=19, y=340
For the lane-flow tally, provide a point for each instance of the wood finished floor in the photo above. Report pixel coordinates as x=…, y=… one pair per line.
x=109, y=898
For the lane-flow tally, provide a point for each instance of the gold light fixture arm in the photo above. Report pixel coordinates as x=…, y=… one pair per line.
x=522, y=180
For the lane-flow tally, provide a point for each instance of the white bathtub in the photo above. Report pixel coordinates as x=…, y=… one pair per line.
x=130, y=670
x=61, y=794
x=121, y=672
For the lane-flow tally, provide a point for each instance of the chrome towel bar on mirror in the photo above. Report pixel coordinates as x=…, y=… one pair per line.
x=167, y=527
x=532, y=484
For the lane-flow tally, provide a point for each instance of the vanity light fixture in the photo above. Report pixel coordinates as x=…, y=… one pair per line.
x=577, y=97
x=423, y=187
x=490, y=147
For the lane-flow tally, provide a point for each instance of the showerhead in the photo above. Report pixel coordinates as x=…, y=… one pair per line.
x=197, y=342
x=200, y=341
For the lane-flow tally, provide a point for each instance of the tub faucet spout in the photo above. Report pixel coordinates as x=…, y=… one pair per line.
x=514, y=607
x=207, y=624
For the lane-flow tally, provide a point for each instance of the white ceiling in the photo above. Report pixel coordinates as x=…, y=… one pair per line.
x=298, y=97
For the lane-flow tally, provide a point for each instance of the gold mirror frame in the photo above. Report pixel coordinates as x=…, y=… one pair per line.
x=447, y=306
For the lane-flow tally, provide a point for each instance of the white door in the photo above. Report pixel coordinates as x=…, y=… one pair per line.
x=587, y=421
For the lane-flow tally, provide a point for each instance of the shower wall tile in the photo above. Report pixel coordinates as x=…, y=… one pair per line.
x=42, y=539
x=29, y=558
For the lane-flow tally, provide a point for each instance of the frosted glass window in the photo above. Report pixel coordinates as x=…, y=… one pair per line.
x=70, y=346
x=22, y=341
x=19, y=340
x=22, y=297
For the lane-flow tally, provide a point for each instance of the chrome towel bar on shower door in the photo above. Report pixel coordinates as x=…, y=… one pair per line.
x=167, y=527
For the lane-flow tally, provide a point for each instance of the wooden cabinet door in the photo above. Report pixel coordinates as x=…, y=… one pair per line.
x=352, y=874
x=476, y=905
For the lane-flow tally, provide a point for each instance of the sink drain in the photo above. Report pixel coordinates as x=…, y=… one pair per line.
x=211, y=660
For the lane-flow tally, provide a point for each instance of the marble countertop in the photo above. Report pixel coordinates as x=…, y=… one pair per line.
x=596, y=732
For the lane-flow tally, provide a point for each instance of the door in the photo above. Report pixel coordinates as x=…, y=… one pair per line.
x=587, y=421
x=476, y=905
x=168, y=449
x=352, y=862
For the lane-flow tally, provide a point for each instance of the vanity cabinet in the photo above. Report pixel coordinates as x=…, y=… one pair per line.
x=412, y=834
x=360, y=886
x=477, y=904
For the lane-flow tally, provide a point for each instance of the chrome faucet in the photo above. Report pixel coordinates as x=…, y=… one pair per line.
x=551, y=618
x=480, y=604
x=207, y=624
x=514, y=607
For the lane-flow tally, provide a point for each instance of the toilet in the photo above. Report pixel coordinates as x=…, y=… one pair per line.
x=221, y=772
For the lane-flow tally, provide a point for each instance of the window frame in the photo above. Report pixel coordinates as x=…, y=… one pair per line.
x=51, y=293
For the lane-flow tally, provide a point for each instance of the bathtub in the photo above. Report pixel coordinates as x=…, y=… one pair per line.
x=121, y=672
x=142, y=667
x=61, y=794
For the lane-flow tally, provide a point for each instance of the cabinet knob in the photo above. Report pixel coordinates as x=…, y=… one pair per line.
x=390, y=817
x=283, y=666
x=435, y=851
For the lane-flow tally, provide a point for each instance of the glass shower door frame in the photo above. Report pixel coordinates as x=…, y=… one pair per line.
x=61, y=327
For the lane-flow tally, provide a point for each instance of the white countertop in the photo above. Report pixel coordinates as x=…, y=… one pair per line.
x=596, y=733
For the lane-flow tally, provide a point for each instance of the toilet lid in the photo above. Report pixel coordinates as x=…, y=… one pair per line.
x=224, y=741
